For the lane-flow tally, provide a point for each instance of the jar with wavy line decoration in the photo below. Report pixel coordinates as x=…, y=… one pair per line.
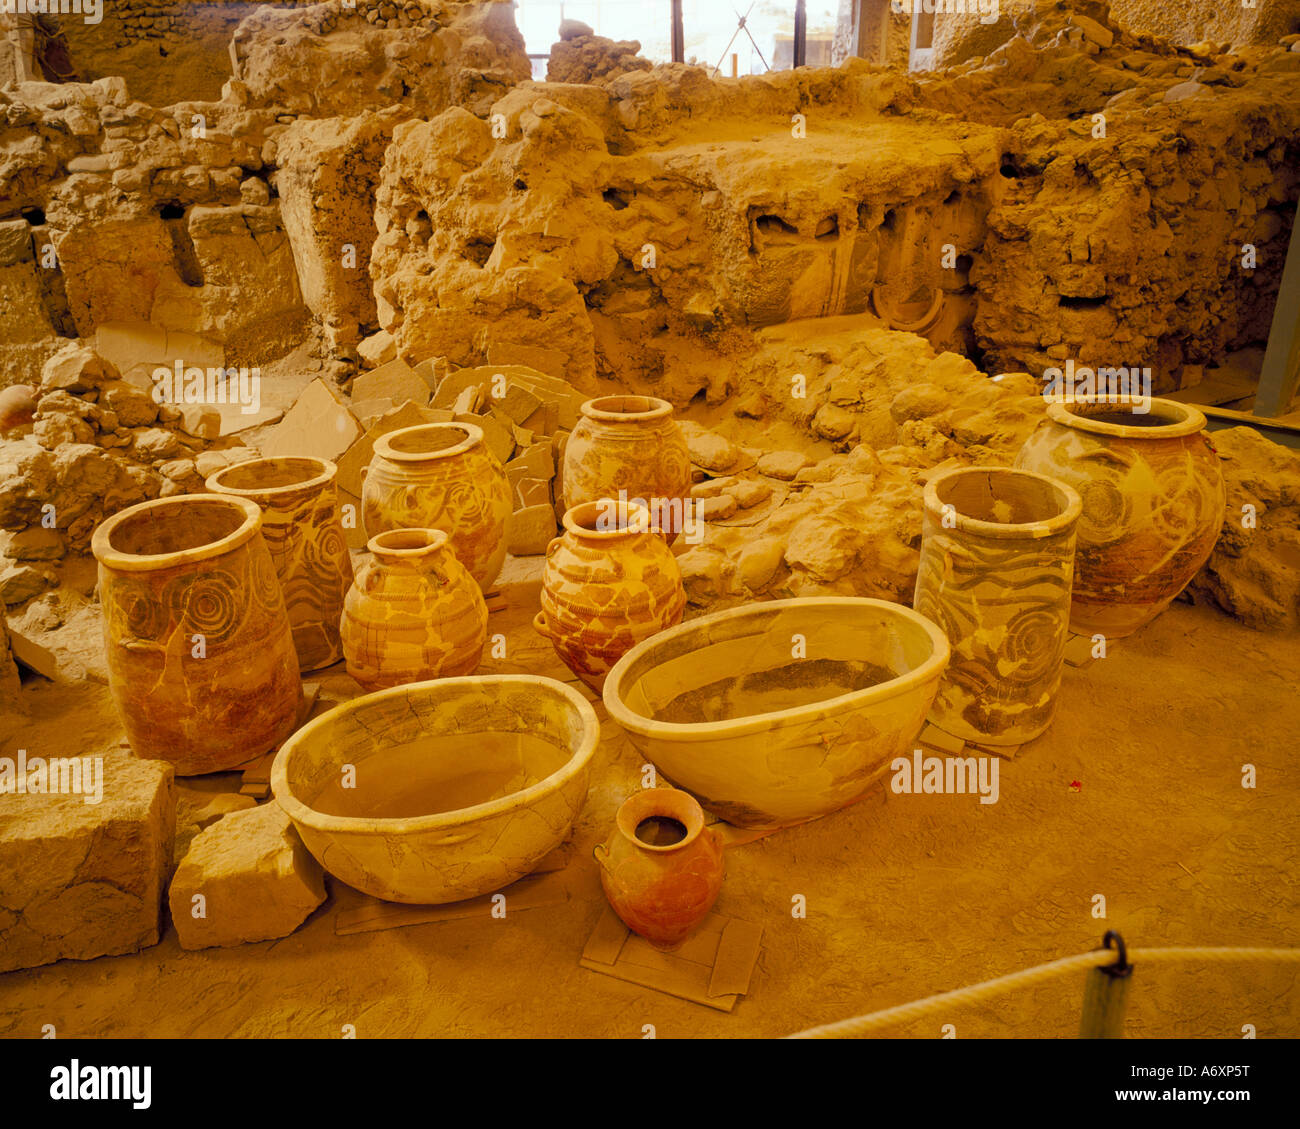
x=304, y=534
x=441, y=476
x=201, y=662
x=997, y=561
x=414, y=612
x=1153, y=504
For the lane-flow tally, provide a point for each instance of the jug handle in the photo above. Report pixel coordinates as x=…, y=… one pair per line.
x=601, y=854
x=540, y=625
x=550, y=545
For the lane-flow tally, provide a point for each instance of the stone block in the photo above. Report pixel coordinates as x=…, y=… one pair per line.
x=15, y=242
x=530, y=530
x=83, y=879
x=247, y=877
x=518, y=402
x=318, y=424
x=535, y=462
x=395, y=381
x=533, y=492
x=377, y=349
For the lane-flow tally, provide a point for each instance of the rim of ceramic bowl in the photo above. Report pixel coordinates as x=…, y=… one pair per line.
x=929, y=670
x=472, y=435
x=323, y=471
x=1067, y=514
x=625, y=409
x=575, y=516
x=299, y=812
x=1183, y=419
x=101, y=542
x=666, y=803
x=428, y=541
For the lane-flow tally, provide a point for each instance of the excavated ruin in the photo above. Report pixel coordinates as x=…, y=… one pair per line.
x=361, y=233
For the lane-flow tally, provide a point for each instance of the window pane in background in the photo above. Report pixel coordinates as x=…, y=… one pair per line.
x=708, y=24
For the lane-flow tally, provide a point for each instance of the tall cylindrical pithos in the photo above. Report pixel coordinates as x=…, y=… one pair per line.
x=201, y=662
x=441, y=476
x=629, y=445
x=997, y=561
x=304, y=533
x=1153, y=504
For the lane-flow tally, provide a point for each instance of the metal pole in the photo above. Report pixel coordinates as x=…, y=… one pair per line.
x=1105, y=995
x=800, y=33
x=678, y=36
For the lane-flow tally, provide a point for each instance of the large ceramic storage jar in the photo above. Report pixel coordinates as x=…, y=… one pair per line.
x=1153, y=504
x=441, y=476
x=662, y=869
x=997, y=559
x=303, y=531
x=201, y=662
x=629, y=448
x=414, y=612
x=609, y=583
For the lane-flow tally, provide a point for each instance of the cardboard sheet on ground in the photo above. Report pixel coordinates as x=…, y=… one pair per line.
x=713, y=967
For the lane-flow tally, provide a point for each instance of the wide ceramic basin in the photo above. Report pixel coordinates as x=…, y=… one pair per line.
x=775, y=713
x=438, y=791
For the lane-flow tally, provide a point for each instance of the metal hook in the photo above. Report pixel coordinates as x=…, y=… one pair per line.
x=1121, y=967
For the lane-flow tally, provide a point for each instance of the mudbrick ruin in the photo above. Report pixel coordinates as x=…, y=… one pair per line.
x=488, y=555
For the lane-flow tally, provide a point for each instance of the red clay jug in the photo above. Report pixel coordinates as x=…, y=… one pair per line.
x=662, y=870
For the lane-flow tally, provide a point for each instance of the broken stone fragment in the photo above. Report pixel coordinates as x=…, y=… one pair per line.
x=378, y=349
x=82, y=873
x=195, y=813
x=750, y=492
x=783, y=464
x=76, y=368
x=35, y=543
x=19, y=583
x=319, y=425
x=395, y=381
x=529, y=530
x=707, y=448
x=134, y=406
x=715, y=509
x=247, y=877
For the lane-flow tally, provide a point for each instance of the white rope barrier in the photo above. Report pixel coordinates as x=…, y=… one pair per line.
x=901, y=1013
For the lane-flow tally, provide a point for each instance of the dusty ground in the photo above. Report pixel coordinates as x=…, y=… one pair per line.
x=906, y=896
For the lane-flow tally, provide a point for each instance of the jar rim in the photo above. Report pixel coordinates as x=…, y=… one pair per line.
x=110, y=556
x=470, y=436
x=1182, y=419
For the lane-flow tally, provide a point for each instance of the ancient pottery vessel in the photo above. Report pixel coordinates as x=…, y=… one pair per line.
x=1153, y=499
x=609, y=583
x=201, y=662
x=997, y=558
x=662, y=869
x=441, y=476
x=439, y=791
x=302, y=530
x=629, y=444
x=774, y=713
x=414, y=612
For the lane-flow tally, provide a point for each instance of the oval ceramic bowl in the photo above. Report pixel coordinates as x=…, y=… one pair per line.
x=775, y=713
x=499, y=763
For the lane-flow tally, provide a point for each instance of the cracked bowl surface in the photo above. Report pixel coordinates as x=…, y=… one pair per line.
x=779, y=712
x=439, y=791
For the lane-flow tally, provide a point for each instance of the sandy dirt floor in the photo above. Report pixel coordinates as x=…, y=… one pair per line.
x=906, y=895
